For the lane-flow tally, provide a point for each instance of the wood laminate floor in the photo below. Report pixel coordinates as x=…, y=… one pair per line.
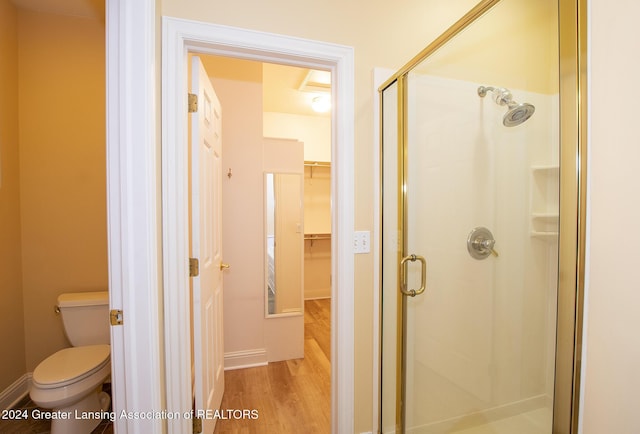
x=293, y=396
x=43, y=426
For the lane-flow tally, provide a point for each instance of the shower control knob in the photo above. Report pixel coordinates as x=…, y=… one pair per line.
x=480, y=243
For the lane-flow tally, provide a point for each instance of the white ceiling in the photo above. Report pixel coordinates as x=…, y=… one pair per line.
x=282, y=93
x=280, y=83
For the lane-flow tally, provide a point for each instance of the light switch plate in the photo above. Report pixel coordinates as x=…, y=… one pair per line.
x=361, y=242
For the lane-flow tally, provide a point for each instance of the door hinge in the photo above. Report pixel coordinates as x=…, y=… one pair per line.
x=197, y=425
x=194, y=267
x=115, y=317
x=193, y=103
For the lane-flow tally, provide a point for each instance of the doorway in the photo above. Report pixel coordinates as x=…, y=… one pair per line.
x=182, y=37
x=269, y=130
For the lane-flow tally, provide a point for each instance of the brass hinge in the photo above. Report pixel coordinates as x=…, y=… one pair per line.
x=194, y=267
x=197, y=425
x=193, y=103
x=115, y=317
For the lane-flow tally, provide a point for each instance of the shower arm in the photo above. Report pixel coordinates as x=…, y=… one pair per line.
x=482, y=90
x=502, y=96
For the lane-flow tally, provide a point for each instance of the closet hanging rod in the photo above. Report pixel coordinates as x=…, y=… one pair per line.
x=317, y=164
x=317, y=237
x=312, y=164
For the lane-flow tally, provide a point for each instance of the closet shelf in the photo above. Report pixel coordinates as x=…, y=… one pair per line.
x=314, y=165
x=317, y=164
x=317, y=236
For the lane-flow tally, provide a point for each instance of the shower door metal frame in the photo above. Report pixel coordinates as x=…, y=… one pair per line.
x=572, y=17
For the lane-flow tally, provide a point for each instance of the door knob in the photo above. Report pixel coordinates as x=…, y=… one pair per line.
x=224, y=266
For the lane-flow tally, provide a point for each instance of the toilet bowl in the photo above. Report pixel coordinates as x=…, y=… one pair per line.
x=69, y=383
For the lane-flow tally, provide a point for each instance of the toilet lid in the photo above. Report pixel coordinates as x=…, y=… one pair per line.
x=70, y=365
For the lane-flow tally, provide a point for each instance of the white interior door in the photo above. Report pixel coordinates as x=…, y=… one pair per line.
x=206, y=218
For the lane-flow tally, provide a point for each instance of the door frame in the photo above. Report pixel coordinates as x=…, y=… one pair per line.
x=179, y=38
x=133, y=221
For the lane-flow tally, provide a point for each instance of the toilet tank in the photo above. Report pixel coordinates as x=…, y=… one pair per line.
x=85, y=316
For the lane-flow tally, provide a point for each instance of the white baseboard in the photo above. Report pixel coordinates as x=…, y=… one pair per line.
x=245, y=359
x=15, y=392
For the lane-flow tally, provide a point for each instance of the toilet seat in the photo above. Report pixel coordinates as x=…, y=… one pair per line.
x=70, y=365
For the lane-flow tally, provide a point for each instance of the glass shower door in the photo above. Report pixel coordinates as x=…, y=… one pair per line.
x=470, y=247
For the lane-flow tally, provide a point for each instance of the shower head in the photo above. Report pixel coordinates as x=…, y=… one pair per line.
x=516, y=113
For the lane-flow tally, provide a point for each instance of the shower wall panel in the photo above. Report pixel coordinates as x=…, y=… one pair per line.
x=497, y=349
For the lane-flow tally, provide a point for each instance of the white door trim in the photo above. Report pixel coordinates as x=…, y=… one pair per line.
x=132, y=208
x=180, y=37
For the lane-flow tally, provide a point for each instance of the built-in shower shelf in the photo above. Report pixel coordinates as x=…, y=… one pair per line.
x=545, y=168
x=544, y=235
x=544, y=217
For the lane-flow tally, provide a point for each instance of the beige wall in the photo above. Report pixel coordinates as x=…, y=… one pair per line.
x=382, y=35
x=612, y=378
x=62, y=169
x=513, y=46
x=313, y=131
x=242, y=220
x=12, y=362
x=249, y=337
x=52, y=190
x=388, y=36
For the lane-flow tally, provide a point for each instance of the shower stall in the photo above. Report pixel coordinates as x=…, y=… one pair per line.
x=482, y=222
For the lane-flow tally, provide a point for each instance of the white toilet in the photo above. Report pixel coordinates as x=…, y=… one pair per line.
x=69, y=382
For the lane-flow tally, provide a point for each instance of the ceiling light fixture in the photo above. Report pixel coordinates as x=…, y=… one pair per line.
x=321, y=103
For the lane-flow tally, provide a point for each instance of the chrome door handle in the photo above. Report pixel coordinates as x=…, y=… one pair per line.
x=403, y=273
